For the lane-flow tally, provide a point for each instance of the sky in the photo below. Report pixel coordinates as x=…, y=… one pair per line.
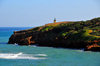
x=32, y=13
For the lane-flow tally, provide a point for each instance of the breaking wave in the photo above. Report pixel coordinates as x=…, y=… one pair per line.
x=22, y=56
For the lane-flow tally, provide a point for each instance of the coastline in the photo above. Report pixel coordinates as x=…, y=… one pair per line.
x=74, y=35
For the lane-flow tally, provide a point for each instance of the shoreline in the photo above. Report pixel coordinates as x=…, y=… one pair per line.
x=75, y=35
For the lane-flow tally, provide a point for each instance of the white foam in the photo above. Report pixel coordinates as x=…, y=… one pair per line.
x=80, y=50
x=21, y=56
x=41, y=54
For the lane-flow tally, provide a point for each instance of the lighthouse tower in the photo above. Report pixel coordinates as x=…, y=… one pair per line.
x=54, y=20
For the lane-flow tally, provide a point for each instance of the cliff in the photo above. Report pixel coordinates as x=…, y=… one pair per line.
x=80, y=34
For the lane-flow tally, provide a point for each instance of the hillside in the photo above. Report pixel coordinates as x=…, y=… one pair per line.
x=80, y=34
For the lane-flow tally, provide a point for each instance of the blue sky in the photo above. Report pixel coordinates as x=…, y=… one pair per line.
x=31, y=13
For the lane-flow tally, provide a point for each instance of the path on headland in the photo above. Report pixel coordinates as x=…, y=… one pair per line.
x=90, y=31
x=94, y=45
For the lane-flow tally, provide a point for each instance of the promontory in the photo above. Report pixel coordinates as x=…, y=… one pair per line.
x=75, y=34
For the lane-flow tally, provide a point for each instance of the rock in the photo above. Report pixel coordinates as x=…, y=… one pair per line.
x=93, y=47
x=62, y=34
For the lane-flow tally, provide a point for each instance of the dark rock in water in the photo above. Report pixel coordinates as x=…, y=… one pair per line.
x=21, y=38
x=95, y=49
x=62, y=34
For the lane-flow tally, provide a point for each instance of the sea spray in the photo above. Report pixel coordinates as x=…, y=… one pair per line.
x=20, y=55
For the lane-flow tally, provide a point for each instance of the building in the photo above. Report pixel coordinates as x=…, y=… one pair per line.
x=54, y=20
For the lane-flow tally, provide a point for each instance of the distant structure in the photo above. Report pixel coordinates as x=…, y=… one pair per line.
x=54, y=20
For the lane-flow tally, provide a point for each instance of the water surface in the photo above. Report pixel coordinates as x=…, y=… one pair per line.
x=14, y=55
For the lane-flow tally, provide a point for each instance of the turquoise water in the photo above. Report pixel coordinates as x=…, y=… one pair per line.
x=14, y=55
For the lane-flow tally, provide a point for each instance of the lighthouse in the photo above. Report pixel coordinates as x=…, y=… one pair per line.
x=54, y=20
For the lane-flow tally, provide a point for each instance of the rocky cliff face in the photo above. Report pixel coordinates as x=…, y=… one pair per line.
x=47, y=38
x=63, y=34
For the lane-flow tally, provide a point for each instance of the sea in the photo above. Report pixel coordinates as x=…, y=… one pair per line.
x=15, y=55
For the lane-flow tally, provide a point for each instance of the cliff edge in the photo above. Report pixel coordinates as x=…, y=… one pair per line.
x=79, y=34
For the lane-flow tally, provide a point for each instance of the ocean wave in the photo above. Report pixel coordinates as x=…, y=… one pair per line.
x=22, y=56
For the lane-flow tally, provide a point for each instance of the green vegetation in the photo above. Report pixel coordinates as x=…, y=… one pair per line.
x=46, y=28
x=80, y=34
x=80, y=30
x=72, y=31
